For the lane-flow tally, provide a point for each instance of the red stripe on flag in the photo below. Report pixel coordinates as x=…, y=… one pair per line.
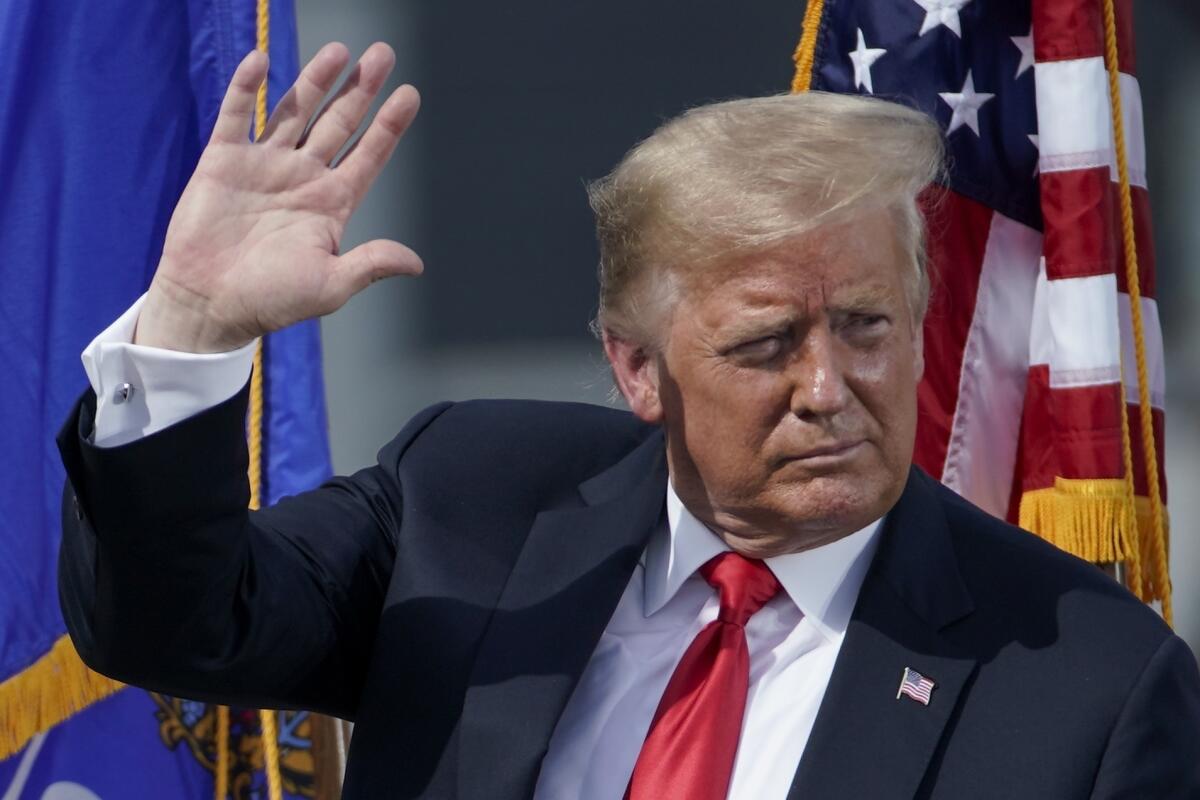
x=1065, y=29
x=1079, y=207
x=1126, y=59
x=958, y=229
x=1083, y=223
x=1144, y=237
x=1069, y=433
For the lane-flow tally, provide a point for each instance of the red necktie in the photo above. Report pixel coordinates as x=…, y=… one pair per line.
x=688, y=753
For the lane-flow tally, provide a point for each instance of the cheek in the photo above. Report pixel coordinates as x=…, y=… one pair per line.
x=885, y=381
x=731, y=413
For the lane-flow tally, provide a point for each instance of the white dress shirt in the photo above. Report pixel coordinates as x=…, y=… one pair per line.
x=793, y=640
x=141, y=390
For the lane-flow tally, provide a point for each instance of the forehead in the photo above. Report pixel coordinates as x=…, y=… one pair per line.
x=852, y=263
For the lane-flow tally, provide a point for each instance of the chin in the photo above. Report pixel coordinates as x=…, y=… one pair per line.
x=841, y=503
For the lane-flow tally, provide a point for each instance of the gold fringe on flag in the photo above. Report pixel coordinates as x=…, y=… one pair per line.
x=1087, y=517
x=1090, y=519
x=50, y=690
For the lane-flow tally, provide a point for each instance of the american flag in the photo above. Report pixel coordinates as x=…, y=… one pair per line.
x=916, y=686
x=1028, y=341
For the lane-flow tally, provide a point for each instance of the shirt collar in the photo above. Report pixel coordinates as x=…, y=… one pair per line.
x=823, y=582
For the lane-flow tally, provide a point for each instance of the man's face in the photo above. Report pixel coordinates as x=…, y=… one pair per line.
x=788, y=389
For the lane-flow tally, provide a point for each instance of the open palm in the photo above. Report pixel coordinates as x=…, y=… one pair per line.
x=253, y=244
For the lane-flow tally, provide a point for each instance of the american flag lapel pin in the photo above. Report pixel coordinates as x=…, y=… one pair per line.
x=916, y=686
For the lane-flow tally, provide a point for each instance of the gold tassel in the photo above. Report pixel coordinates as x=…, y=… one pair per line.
x=1154, y=536
x=50, y=690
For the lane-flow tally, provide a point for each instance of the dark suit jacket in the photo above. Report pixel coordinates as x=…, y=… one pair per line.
x=448, y=599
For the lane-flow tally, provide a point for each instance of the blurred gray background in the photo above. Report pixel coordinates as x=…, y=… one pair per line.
x=502, y=309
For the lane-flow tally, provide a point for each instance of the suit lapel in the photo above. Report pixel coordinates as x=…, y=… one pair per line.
x=557, y=601
x=866, y=742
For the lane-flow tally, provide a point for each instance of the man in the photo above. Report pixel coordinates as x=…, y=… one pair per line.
x=742, y=589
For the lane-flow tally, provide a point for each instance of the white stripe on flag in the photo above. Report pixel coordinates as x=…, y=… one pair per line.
x=1155, y=368
x=982, y=452
x=1075, y=120
x=1075, y=330
x=1073, y=333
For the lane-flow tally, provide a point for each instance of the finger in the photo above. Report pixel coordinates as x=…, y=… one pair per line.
x=237, y=109
x=365, y=160
x=295, y=109
x=337, y=123
x=373, y=261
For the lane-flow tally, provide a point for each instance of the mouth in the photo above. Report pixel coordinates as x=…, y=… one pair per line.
x=827, y=454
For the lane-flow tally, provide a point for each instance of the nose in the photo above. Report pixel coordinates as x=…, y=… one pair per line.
x=818, y=383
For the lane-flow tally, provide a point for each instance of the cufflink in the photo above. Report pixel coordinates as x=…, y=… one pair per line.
x=122, y=394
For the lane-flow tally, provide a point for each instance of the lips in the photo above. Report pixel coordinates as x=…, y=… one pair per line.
x=831, y=451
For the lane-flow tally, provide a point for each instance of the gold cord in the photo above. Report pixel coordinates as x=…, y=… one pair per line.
x=1153, y=541
x=222, y=745
x=270, y=735
x=807, y=48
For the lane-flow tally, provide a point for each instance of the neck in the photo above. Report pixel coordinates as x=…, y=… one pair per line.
x=761, y=534
x=766, y=546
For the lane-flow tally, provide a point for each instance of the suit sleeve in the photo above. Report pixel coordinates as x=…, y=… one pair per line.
x=1154, y=749
x=167, y=581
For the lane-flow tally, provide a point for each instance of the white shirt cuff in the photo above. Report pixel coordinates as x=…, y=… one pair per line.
x=141, y=390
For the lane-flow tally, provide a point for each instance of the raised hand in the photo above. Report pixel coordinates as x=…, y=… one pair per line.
x=253, y=244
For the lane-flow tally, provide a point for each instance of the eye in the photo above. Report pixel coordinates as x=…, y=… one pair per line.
x=759, y=350
x=865, y=324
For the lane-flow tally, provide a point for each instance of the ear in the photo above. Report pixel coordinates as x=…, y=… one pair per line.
x=636, y=371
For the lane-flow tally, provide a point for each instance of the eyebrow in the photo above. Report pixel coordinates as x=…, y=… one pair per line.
x=869, y=298
x=865, y=299
x=758, y=325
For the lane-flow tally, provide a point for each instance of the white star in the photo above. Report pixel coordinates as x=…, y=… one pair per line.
x=1033, y=137
x=966, y=105
x=941, y=12
x=863, y=57
x=1025, y=45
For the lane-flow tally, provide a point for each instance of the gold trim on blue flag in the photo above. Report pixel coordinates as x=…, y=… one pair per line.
x=53, y=688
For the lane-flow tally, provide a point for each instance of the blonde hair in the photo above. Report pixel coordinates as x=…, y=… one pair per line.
x=730, y=179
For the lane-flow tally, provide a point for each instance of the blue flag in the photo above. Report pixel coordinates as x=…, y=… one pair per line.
x=106, y=107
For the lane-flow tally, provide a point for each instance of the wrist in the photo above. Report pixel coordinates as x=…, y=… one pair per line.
x=168, y=324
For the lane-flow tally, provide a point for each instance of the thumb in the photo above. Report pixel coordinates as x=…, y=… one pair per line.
x=376, y=260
